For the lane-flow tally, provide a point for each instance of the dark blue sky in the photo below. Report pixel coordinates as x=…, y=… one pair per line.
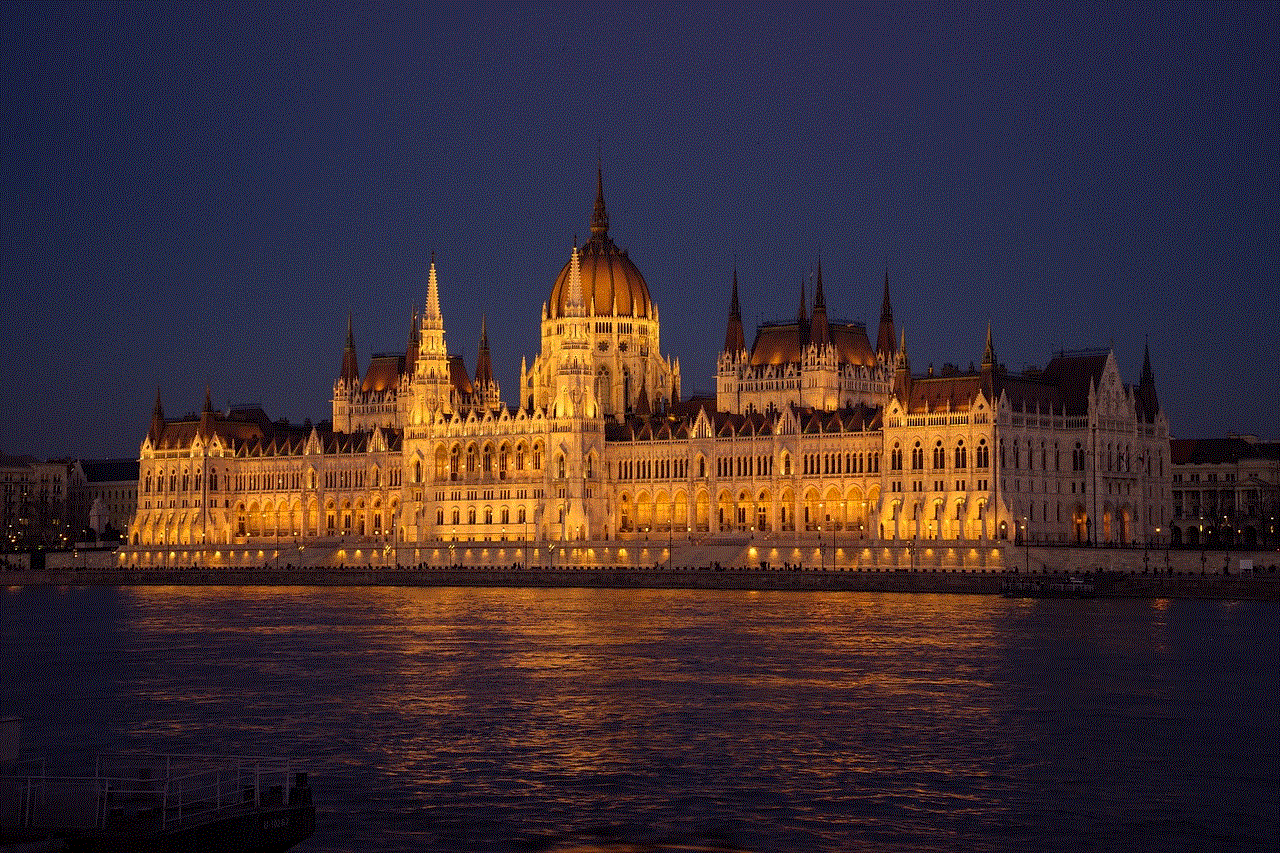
x=200, y=194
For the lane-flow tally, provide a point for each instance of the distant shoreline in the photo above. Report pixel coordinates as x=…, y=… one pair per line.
x=1261, y=587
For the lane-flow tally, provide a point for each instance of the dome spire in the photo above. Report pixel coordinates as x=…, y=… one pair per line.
x=600, y=218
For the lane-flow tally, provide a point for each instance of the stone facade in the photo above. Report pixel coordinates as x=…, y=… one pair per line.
x=813, y=433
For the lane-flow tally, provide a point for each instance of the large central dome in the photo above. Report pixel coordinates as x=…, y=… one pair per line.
x=611, y=284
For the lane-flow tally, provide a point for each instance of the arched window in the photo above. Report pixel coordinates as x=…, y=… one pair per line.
x=917, y=457
x=471, y=515
x=962, y=457
x=939, y=456
x=519, y=457
x=984, y=454
x=440, y=515
x=895, y=458
x=560, y=465
x=455, y=516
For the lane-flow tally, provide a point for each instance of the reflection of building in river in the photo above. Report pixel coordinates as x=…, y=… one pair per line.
x=812, y=432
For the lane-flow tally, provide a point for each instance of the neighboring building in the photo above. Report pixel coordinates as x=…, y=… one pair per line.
x=103, y=496
x=1226, y=492
x=813, y=431
x=33, y=503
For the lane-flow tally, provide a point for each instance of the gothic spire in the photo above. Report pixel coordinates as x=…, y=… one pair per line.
x=819, y=330
x=885, y=344
x=157, y=419
x=350, y=369
x=433, y=292
x=733, y=339
x=1147, y=398
x=208, y=401
x=574, y=306
x=600, y=218
x=989, y=353
x=484, y=367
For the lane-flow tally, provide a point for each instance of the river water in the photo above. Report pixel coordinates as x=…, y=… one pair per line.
x=624, y=720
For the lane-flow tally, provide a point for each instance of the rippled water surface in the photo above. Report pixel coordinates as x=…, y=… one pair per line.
x=610, y=720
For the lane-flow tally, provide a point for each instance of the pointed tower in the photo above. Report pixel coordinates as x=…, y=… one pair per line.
x=350, y=367
x=642, y=400
x=988, y=370
x=733, y=339
x=574, y=396
x=819, y=330
x=486, y=386
x=1148, y=402
x=884, y=340
x=432, y=384
x=157, y=420
x=205, y=430
x=484, y=369
x=432, y=340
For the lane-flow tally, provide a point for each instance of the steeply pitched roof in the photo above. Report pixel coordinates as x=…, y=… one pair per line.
x=1071, y=376
x=383, y=373
x=783, y=343
x=458, y=376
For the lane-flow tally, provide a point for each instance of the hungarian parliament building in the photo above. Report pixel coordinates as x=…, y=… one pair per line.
x=813, y=431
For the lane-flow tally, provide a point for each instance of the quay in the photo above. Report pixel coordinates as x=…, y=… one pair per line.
x=931, y=568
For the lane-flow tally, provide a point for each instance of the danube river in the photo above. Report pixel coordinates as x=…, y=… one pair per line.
x=623, y=720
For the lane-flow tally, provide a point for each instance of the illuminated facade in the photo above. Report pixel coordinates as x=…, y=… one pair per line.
x=813, y=432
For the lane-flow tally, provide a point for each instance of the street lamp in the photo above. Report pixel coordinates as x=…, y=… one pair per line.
x=1026, y=544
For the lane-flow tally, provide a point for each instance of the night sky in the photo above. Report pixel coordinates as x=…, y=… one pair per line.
x=200, y=195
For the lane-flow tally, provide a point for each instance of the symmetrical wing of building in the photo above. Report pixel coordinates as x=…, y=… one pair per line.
x=812, y=431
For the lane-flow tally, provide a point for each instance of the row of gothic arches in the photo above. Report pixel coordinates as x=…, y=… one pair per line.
x=481, y=460
x=744, y=511
x=269, y=519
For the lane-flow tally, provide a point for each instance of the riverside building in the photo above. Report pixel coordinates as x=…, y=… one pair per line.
x=813, y=433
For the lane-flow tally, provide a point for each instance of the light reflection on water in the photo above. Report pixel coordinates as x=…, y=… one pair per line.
x=609, y=720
